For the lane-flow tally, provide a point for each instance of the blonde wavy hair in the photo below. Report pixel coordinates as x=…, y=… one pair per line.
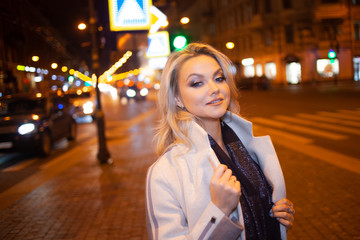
x=173, y=126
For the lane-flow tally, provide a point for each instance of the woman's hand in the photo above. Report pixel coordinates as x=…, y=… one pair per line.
x=284, y=211
x=224, y=189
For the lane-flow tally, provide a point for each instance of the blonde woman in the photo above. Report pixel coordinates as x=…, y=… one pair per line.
x=213, y=179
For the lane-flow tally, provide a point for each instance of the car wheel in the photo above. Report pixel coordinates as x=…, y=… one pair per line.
x=45, y=144
x=72, y=131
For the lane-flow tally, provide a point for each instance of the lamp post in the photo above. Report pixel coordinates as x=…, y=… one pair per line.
x=103, y=153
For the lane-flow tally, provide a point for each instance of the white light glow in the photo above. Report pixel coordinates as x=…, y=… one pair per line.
x=270, y=70
x=249, y=71
x=131, y=93
x=247, y=61
x=259, y=70
x=144, y=92
x=26, y=128
x=293, y=72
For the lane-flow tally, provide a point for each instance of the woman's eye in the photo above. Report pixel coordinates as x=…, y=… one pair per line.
x=195, y=84
x=220, y=79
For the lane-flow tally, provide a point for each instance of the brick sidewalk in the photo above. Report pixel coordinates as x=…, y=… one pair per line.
x=88, y=201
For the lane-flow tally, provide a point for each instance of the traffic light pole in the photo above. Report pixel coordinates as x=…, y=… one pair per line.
x=103, y=153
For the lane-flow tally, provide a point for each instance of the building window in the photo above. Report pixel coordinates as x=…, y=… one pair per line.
x=259, y=70
x=231, y=22
x=243, y=14
x=250, y=43
x=357, y=30
x=248, y=13
x=327, y=69
x=212, y=29
x=238, y=15
x=256, y=6
x=289, y=34
x=287, y=4
x=268, y=37
x=268, y=8
x=270, y=70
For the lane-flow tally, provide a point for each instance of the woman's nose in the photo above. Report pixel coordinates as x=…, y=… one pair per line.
x=213, y=88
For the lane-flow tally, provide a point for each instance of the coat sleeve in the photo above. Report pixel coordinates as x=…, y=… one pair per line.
x=166, y=218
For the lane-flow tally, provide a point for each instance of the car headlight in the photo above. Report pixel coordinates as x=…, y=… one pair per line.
x=131, y=93
x=26, y=128
x=144, y=92
x=88, y=107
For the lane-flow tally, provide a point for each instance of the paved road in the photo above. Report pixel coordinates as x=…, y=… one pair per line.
x=72, y=197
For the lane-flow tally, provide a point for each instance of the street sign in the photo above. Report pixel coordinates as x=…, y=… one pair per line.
x=158, y=45
x=128, y=15
x=161, y=19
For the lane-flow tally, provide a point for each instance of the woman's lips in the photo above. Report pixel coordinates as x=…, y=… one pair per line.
x=215, y=101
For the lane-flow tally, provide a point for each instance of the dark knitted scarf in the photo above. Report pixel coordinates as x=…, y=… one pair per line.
x=256, y=193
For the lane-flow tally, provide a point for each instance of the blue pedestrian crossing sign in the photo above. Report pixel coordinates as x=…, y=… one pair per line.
x=159, y=45
x=129, y=15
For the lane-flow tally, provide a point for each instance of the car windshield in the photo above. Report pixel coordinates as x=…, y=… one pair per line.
x=23, y=106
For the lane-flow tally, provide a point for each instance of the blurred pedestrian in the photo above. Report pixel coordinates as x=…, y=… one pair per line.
x=214, y=179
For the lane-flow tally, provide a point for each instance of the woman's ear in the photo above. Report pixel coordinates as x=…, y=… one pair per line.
x=179, y=102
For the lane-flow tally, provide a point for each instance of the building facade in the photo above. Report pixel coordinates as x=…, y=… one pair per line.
x=25, y=33
x=287, y=41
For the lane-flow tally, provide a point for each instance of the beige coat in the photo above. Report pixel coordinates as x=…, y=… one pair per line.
x=178, y=202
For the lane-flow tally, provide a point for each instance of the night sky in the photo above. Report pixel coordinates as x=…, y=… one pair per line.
x=65, y=15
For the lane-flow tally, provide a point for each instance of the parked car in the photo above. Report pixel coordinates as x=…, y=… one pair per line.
x=83, y=103
x=34, y=122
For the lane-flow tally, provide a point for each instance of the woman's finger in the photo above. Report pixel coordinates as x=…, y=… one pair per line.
x=219, y=171
x=285, y=201
x=286, y=223
x=226, y=176
x=284, y=208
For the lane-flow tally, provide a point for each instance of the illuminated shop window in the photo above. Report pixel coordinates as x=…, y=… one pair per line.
x=327, y=69
x=270, y=70
x=356, y=61
x=293, y=72
x=259, y=70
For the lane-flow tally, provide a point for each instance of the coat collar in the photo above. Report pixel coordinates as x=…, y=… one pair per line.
x=242, y=128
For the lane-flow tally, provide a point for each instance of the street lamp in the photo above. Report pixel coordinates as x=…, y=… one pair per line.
x=184, y=20
x=35, y=58
x=54, y=65
x=103, y=153
x=230, y=45
x=82, y=26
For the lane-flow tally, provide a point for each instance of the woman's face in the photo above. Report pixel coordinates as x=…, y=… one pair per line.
x=203, y=89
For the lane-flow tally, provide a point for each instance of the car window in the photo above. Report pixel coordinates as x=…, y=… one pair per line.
x=23, y=106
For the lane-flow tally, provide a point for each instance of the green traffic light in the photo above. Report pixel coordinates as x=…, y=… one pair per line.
x=71, y=79
x=331, y=54
x=179, y=42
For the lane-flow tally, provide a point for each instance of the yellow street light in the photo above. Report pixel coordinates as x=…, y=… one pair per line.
x=185, y=20
x=64, y=69
x=82, y=26
x=165, y=23
x=54, y=65
x=230, y=45
x=35, y=58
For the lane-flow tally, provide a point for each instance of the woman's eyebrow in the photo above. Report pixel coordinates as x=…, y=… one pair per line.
x=194, y=75
x=219, y=70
